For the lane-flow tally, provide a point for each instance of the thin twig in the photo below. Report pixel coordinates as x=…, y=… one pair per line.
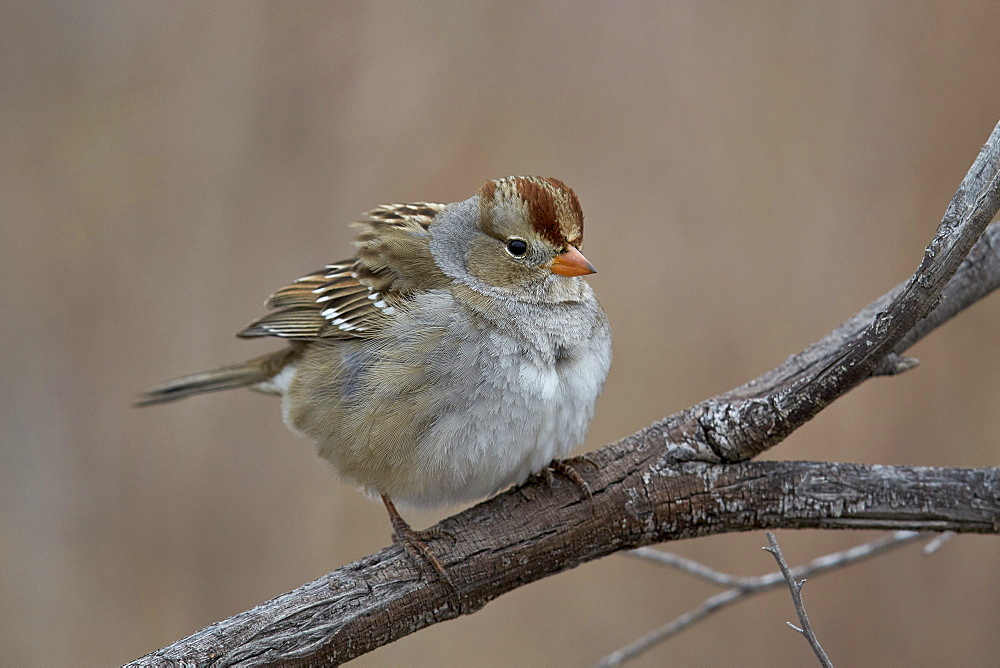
x=795, y=587
x=689, y=566
x=689, y=618
x=744, y=587
x=935, y=544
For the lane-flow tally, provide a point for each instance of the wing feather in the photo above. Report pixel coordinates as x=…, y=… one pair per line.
x=353, y=298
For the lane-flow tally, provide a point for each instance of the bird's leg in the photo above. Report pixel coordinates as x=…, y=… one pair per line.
x=567, y=468
x=413, y=541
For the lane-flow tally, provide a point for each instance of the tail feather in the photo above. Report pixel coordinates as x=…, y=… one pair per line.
x=251, y=372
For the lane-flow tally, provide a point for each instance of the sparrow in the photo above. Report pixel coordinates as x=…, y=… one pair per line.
x=458, y=352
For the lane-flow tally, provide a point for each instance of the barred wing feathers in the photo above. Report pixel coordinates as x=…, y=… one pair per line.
x=351, y=299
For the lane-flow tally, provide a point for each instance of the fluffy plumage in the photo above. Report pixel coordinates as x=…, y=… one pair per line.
x=456, y=354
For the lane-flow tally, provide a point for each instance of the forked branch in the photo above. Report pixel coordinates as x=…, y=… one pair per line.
x=682, y=477
x=795, y=587
x=743, y=587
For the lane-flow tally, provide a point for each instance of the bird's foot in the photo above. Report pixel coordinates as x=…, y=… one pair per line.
x=567, y=469
x=414, y=542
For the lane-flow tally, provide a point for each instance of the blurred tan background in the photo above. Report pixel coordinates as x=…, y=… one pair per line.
x=752, y=174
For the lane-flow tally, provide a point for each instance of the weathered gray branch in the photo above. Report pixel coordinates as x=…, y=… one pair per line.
x=742, y=587
x=667, y=482
x=532, y=532
x=959, y=267
x=795, y=587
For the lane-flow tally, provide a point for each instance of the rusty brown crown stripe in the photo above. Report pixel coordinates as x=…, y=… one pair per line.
x=553, y=207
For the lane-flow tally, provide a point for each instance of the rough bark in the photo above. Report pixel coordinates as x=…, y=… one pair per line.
x=532, y=532
x=682, y=477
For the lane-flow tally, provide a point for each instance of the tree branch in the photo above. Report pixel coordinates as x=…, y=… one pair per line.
x=741, y=587
x=795, y=587
x=660, y=483
x=532, y=532
x=744, y=422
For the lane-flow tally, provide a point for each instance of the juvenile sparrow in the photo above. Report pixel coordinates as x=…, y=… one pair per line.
x=456, y=354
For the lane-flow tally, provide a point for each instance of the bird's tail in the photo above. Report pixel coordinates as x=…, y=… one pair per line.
x=252, y=372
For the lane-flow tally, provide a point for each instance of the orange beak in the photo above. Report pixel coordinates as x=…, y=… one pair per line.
x=571, y=263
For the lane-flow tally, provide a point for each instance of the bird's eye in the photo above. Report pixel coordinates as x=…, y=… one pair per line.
x=517, y=247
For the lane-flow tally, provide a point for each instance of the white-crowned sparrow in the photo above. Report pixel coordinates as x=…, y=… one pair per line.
x=458, y=353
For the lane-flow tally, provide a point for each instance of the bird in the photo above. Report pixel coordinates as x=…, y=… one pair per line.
x=457, y=353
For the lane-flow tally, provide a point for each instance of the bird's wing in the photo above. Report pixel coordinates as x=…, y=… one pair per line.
x=354, y=298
